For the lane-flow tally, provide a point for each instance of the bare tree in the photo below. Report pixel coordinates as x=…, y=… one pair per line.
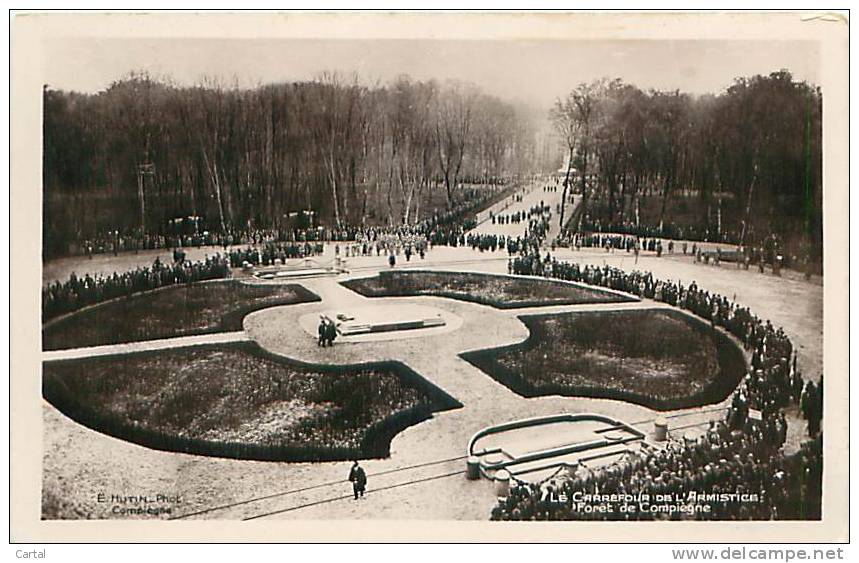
x=575, y=120
x=453, y=120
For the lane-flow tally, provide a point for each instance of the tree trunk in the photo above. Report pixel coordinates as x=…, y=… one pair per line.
x=407, y=201
x=448, y=190
x=417, y=215
x=665, y=189
x=747, y=215
x=566, y=188
x=612, y=187
x=332, y=175
x=584, y=206
x=213, y=174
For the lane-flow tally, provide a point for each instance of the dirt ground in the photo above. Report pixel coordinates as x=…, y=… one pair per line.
x=424, y=477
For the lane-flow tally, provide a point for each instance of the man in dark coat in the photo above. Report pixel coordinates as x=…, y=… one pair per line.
x=330, y=332
x=323, y=327
x=358, y=479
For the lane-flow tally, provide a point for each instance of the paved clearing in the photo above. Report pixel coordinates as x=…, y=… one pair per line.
x=79, y=463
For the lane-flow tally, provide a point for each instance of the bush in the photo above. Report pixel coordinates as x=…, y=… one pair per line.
x=195, y=400
x=184, y=310
x=529, y=370
x=501, y=292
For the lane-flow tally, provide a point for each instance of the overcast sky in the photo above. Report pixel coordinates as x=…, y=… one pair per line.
x=535, y=72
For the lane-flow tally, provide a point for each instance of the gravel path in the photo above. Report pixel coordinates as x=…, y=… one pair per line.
x=531, y=198
x=131, y=347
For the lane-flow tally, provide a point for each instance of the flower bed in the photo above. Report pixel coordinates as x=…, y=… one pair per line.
x=501, y=292
x=238, y=401
x=175, y=311
x=661, y=359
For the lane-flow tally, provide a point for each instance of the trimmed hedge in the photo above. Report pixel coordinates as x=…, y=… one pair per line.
x=732, y=366
x=94, y=325
x=396, y=284
x=375, y=442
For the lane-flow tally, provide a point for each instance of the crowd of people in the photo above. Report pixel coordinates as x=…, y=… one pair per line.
x=722, y=475
x=441, y=228
x=256, y=247
x=538, y=220
x=116, y=241
x=740, y=454
x=667, y=230
x=266, y=254
x=501, y=243
x=611, y=242
x=60, y=298
x=403, y=240
x=769, y=250
x=536, y=212
x=742, y=256
x=628, y=243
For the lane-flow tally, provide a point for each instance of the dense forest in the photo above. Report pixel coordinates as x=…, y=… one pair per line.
x=746, y=162
x=143, y=152
x=251, y=158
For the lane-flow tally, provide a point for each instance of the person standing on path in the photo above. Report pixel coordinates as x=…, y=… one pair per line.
x=358, y=479
x=330, y=333
x=322, y=329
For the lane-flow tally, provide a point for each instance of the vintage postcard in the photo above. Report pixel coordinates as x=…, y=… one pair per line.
x=429, y=276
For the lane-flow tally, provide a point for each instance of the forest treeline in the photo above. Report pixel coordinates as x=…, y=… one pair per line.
x=251, y=158
x=144, y=152
x=748, y=158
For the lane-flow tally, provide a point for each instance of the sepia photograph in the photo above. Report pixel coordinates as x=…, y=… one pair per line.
x=500, y=273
